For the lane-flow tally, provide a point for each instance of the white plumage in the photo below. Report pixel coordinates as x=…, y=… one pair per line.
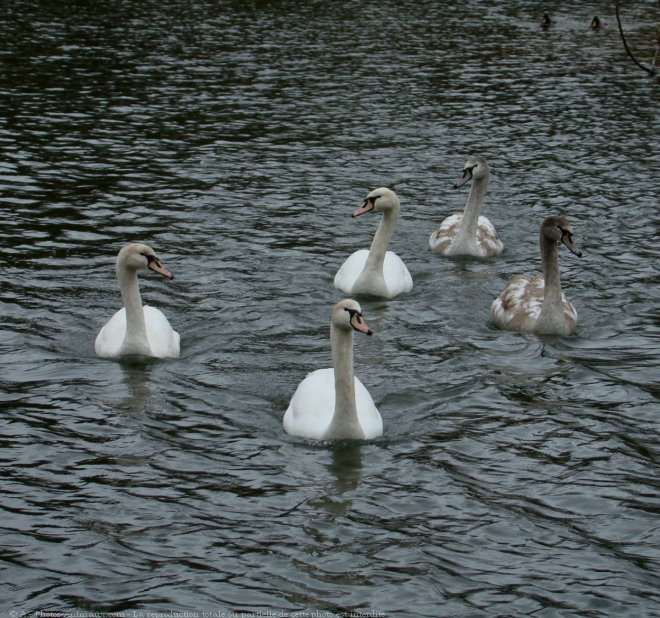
x=377, y=272
x=395, y=278
x=312, y=407
x=135, y=329
x=332, y=404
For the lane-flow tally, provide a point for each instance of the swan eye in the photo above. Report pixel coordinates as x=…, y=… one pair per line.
x=150, y=258
x=354, y=313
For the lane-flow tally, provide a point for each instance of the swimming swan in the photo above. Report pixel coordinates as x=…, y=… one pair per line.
x=378, y=272
x=537, y=304
x=332, y=404
x=135, y=329
x=468, y=233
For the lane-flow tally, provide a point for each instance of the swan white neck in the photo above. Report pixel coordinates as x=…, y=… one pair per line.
x=372, y=278
x=345, y=423
x=381, y=240
x=467, y=234
x=135, y=340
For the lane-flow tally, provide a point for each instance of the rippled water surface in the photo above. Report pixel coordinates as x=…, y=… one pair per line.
x=517, y=476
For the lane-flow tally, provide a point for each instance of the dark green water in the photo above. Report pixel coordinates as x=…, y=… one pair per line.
x=517, y=476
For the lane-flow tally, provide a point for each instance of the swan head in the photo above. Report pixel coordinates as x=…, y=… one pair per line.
x=475, y=168
x=137, y=256
x=558, y=229
x=379, y=200
x=347, y=315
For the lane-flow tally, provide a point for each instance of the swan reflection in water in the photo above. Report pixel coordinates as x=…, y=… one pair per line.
x=345, y=468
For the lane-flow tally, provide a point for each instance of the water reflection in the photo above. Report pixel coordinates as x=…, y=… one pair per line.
x=345, y=469
x=346, y=466
x=136, y=371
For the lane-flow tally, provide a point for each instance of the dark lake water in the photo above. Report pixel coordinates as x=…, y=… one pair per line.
x=517, y=475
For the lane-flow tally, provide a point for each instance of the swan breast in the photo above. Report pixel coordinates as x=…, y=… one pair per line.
x=312, y=407
x=354, y=278
x=162, y=340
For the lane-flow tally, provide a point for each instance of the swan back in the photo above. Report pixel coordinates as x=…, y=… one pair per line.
x=519, y=306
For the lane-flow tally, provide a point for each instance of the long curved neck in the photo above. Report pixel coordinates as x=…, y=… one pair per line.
x=381, y=240
x=552, y=300
x=136, y=330
x=344, y=424
x=472, y=209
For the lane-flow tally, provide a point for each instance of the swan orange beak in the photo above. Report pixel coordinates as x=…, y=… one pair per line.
x=358, y=324
x=467, y=175
x=155, y=265
x=368, y=206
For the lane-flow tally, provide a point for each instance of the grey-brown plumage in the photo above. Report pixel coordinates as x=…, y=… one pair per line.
x=537, y=304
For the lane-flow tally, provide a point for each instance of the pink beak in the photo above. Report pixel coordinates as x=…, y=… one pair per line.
x=360, y=325
x=366, y=207
x=467, y=175
x=157, y=267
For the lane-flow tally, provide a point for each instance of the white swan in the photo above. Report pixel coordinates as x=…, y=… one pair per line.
x=378, y=272
x=332, y=404
x=537, y=304
x=468, y=233
x=135, y=329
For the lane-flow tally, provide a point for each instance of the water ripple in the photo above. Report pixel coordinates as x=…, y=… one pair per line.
x=516, y=473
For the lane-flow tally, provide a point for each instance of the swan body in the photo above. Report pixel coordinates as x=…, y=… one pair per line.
x=135, y=329
x=469, y=233
x=377, y=272
x=537, y=304
x=332, y=404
